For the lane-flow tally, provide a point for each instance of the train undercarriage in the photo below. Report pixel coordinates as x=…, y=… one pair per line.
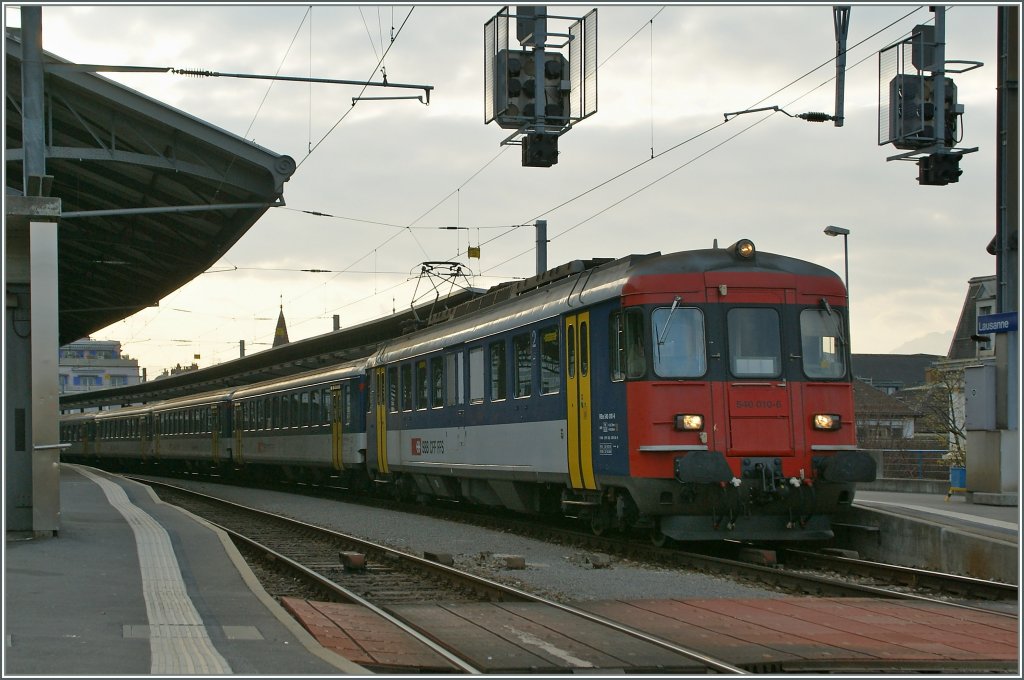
x=765, y=508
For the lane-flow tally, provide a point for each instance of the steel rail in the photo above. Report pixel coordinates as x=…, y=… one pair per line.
x=505, y=591
x=908, y=576
x=346, y=594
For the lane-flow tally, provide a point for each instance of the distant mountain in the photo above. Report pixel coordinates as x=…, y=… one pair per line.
x=932, y=343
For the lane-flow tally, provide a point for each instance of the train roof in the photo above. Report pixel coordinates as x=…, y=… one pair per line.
x=511, y=307
x=126, y=411
x=725, y=260
x=515, y=304
x=348, y=369
x=575, y=284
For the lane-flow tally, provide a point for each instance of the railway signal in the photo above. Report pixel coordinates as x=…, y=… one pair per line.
x=918, y=111
x=536, y=91
x=939, y=169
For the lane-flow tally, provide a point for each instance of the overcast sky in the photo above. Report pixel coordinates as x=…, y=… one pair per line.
x=392, y=173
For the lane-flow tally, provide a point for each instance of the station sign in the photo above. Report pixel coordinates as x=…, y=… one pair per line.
x=997, y=323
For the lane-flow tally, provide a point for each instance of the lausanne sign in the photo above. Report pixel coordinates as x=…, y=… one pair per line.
x=997, y=323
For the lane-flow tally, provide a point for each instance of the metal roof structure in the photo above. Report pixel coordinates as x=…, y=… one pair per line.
x=150, y=196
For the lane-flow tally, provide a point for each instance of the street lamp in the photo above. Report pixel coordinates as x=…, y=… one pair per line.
x=839, y=231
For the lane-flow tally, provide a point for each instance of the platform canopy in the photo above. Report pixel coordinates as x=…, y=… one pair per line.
x=150, y=196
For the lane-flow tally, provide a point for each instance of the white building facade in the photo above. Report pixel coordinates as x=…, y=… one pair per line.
x=89, y=364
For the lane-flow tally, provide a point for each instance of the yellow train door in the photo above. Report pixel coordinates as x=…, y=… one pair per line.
x=215, y=431
x=381, y=413
x=577, y=381
x=336, y=426
x=237, y=424
x=158, y=420
x=144, y=437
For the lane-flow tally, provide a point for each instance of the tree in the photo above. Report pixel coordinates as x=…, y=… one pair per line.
x=941, y=401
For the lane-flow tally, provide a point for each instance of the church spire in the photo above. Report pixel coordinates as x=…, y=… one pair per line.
x=281, y=332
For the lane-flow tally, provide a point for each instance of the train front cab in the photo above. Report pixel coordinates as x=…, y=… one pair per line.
x=741, y=419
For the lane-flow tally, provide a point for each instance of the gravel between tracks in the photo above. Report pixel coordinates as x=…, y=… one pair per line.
x=560, y=572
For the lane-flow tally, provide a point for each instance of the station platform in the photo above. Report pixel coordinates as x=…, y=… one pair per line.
x=132, y=586
x=934, y=531
x=762, y=635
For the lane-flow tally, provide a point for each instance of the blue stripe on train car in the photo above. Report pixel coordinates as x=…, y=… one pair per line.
x=610, y=435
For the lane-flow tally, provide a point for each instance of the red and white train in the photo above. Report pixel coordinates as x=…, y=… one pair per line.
x=700, y=395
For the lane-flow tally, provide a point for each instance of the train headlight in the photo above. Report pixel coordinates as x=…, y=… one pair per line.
x=689, y=422
x=826, y=421
x=745, y=248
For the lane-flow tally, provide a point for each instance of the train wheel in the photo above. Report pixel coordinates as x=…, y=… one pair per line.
x=658, y=538
x=599, y=522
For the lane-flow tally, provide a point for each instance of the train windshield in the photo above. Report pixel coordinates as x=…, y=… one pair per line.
x=678, y=334
x=821, y=337
x=754, y=346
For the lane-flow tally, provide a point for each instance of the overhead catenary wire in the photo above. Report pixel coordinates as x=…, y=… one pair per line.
x=678, y=145
x=604, y=183
x=630, y=169
x=368, y=80
x=314, y=147
x=266, y=94
x=637, y=191
x=457, y=190
x=705, y=153
x=373, y=46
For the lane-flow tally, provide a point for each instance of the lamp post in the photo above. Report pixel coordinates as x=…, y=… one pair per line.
x=839, y=231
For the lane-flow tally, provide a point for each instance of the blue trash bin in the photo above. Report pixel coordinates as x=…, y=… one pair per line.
x=958, y=477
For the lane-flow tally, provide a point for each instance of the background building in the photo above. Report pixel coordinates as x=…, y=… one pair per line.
x=89, y=364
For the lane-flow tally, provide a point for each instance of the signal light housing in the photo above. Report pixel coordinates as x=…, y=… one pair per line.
x=939, y=169
x=540, y=150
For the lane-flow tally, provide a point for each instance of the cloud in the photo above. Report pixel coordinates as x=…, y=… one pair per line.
x=780, y=182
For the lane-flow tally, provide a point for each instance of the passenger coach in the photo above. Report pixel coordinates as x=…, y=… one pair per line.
x=704, y=394
x=310, y=426
x=699, y=395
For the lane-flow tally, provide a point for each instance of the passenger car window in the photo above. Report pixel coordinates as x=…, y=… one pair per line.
x=523, y=355
x=437, y=382
x=476, y=375
x=393, y=388
x=550, y=366
x=421, y=384
x=499, y=371
x=456, y=386
x=406, y=389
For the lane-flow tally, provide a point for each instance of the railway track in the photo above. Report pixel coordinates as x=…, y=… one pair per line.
x=796, y=571
x=894, y=576
x=808, y=573
x=301, y=553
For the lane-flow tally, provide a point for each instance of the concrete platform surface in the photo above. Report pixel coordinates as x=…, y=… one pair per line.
x=934, y=531
x=793, y=634
x=133, y=586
